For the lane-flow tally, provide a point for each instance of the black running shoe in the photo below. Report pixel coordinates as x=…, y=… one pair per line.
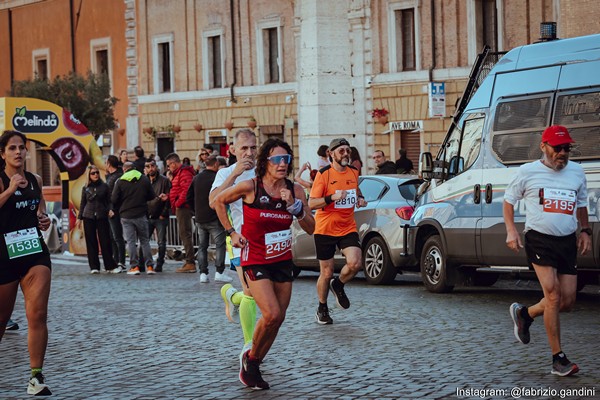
x=323, y=317
x=37, y=387
x=11, y=325
x=522, y=324
x=250, y=374
x=561, y=366
x=337, y=288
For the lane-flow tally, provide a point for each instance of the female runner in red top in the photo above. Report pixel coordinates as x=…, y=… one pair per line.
x=270, y=203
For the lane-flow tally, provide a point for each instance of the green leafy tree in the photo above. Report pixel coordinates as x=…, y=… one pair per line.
x=87, y=98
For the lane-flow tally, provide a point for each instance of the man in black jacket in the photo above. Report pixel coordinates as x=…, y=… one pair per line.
x=208, y=222
x=383, y=166
x=140, y=159
x=113, y=173
x=158, y=210
x=130, y=195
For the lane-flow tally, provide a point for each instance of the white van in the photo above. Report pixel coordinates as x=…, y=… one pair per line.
x=457, y=231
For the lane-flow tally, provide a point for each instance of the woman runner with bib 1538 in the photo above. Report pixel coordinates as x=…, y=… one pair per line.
x=270, y=201
x=24, y=256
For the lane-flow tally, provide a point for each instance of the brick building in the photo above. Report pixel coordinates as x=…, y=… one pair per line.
x=191, y=72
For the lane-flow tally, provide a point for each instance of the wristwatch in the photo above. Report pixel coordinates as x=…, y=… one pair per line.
x=587, y=230
x=230, y=231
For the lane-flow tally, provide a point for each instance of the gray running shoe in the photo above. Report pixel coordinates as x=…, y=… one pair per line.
x=337, y=288
x=564, y=367
x=323, y=317
x=522, y=325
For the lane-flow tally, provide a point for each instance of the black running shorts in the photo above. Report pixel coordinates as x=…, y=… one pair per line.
x=559, y=252
x=325, y=244
x=277, y=272
x=16, y=269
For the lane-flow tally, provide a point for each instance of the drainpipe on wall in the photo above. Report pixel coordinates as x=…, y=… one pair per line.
x=233, y=58
x=433, y=59
x=10, y=48
x=72, y=36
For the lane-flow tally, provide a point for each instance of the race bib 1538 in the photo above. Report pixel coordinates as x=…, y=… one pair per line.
x=22, y=243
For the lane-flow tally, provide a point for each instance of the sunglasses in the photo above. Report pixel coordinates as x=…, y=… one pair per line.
x=566, y=147
x=94, y=173
x=276, y=160
x=203, y=154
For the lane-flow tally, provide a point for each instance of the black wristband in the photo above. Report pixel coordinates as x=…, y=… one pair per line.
x=230, y=231
x=328, y=199
x=587, y=230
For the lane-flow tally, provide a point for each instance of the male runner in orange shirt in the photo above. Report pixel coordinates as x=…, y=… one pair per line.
x=334, y=194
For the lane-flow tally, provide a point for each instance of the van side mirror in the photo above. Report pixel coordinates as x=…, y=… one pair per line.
x=426, y=166
x=457, y=165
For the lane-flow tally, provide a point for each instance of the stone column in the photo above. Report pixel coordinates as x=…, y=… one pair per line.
x=133, y=119
x=325, y=89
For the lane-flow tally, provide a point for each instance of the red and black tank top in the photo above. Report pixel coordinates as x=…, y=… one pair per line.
x=267, y=228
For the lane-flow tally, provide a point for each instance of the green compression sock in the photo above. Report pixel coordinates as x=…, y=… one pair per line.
x=34, y=371
x=237, y=298
x=248, y=317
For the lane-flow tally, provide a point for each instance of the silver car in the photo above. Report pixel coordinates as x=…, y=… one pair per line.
x=381, y=228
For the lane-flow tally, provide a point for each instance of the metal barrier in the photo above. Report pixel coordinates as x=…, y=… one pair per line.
x=173, y=240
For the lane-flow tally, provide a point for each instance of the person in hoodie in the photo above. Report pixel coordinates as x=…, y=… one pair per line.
x=95, y=204
x=182, y=177
x=130, y=196
x=158, y=210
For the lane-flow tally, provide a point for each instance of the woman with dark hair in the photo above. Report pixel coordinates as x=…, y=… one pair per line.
x=323, y=153
x=355, y=160
x=24, y=256
x=270, y=201
x=95, y=205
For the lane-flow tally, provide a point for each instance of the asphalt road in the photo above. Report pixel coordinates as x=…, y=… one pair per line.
x=167, y=337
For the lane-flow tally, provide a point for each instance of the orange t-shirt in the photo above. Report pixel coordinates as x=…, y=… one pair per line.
x=337, y=218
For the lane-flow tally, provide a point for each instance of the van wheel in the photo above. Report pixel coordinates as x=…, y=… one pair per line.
x=378, y=266
x=434, y=269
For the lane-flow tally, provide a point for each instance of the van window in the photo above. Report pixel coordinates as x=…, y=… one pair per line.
x=518, y=126
x=463, y=144
x=580, y=113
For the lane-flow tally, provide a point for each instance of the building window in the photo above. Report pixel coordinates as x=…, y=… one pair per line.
x=487, y=26
x=100, y=62
x=405, y=40
x=404, y=31
x=270, y=68
x=214, y=67
x=162, y=52
x=41, y=63
x=484, y=26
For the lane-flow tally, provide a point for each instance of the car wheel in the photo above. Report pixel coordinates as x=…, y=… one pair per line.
x=434, y=269
x=378, y=266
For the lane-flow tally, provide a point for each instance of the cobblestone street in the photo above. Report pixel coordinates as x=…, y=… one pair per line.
x=167, y=337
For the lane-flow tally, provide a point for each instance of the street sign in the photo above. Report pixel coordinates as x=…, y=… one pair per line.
x=437, y=99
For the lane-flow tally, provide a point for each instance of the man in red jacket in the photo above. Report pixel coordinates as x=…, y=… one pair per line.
x=182, y=179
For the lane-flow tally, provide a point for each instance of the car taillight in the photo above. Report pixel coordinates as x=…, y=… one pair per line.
x=405, y=212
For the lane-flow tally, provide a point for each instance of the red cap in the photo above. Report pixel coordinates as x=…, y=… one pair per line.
x=556, y=135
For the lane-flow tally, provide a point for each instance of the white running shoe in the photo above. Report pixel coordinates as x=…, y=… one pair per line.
x=231, y=310
x=203, y=278
x=94, y=272
x=37, y=387
x=117, y=270
x=223, y=277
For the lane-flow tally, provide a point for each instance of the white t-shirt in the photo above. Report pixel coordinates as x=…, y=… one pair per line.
x=235, y=208
x=551, y=197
